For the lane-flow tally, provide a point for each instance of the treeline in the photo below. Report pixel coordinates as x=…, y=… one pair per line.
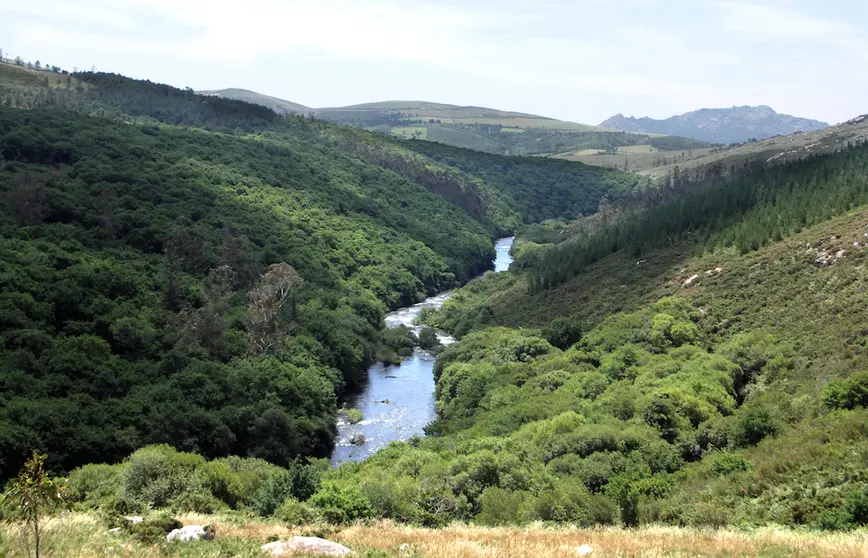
x=747, y=212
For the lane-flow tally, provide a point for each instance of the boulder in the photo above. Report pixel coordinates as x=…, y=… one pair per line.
x=306, y=545
x=190, y=533
x=584, y=550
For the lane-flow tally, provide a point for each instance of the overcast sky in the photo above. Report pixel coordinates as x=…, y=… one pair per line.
x=580, y=60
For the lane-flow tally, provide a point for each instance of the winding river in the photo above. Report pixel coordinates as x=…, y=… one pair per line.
x=398, y=401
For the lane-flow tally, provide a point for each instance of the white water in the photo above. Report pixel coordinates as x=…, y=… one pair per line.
x=398, y=401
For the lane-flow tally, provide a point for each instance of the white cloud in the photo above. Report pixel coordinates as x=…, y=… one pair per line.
x=645, y=56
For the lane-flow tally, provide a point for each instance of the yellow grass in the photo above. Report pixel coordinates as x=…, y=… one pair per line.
x=83, y=536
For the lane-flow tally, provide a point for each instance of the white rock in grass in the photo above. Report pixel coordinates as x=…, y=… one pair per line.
x=584, y=550
x=189, y=533
x=307, y=545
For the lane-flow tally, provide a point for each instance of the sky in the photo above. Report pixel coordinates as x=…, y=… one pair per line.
x=579, y=60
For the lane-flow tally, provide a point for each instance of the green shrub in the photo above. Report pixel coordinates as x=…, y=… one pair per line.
x=753, y=424
x=292, y=512
x=223, y=483
x=847, y=394
x=341, y=503
x=393, y=498
x=95, y=485
x=428, y=339
x=723, y=464
x=563, y=332
x=153, y=529
x=502, y=507
x=299, y=481
x=354, y=416
x=158, y=475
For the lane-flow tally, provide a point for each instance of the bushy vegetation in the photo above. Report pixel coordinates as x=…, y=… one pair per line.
x=610, y=430
x=213, y=288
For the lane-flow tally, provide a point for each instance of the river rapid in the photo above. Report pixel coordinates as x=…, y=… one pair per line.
x=398, y=401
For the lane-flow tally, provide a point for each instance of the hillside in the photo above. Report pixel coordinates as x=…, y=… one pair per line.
x=190, y=284
x=775, y=150
x=202, y=272
x=483, y=129
x=723, y=126
x=735, y=332
x=277, y=105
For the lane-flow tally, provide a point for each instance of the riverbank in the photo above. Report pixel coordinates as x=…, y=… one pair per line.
x=80, y=535
x=398, y=401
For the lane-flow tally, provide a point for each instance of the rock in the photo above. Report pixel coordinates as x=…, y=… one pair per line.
x=306, y=545
x=190, y=533
x=114, y=531
x=357, y=439
x=691, y=280
x=584, y=550
x=134, y=518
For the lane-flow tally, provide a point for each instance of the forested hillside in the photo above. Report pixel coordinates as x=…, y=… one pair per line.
x=202, y=272
x=700, y=363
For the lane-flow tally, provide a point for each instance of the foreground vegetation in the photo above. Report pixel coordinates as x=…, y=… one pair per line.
x=84, y=536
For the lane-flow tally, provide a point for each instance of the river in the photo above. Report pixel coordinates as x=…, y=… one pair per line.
x=398, y=401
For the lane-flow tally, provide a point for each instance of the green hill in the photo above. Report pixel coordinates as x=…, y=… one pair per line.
x=491, y=130
x=719, y=380
x=277, y=105
x=203, y=272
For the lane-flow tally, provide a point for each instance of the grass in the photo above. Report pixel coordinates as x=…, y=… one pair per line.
x=79, y=535
x=19, y=76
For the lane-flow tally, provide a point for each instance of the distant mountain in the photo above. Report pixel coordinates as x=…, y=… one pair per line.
x=279, y=106
x=490, y=130
x=732, y=125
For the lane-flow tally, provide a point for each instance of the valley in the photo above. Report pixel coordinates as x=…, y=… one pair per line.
x=454, y=338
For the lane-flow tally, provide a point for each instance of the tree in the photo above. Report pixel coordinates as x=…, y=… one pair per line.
x=277, y=287
x=34, y=494
x=25, y=198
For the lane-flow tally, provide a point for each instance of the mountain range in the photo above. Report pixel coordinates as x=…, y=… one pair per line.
x=725, y=125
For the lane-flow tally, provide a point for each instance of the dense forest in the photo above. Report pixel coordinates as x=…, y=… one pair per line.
x=539, y=188
x=200, y=272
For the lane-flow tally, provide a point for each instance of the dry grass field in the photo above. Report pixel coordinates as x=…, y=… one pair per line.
x=83, y=536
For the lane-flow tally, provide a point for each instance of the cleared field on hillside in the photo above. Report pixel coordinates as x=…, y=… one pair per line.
x=635, y=158
x=411, y=132
x=19, y=76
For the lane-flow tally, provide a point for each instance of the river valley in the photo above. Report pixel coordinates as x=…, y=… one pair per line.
x=398, y=401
